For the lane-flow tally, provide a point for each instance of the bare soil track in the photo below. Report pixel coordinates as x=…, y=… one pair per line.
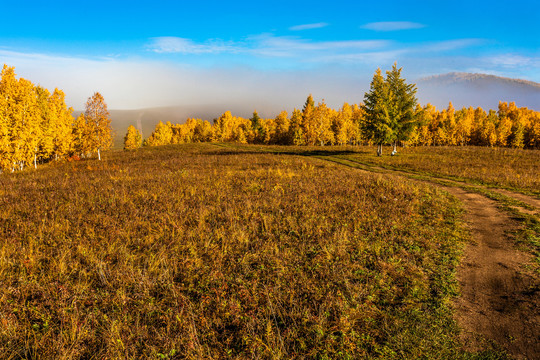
x=500, y=298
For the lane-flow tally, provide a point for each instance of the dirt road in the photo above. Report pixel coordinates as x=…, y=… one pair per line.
x=500, y=299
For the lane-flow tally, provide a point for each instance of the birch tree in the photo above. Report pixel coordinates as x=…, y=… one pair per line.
x=99, y=123
x=133, y=138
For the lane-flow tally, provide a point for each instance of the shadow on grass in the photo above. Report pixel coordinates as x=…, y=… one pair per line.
x=297, y=152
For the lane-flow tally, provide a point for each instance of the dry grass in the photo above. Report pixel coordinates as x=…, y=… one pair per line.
x=515, y=169
x=199, y=252
x=504, y=167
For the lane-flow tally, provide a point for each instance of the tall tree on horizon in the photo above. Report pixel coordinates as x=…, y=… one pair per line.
x=390, y=109
x=63, y=122
x=378, y=102
x=99, y=123
x=79, y=135
x=256, y=127
x=296, y=129
x=402, y=111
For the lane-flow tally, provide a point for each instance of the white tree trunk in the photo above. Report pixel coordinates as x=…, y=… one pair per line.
x=35, y=161
x=99, y=154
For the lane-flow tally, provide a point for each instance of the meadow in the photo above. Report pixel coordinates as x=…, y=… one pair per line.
x=205, y=251
x=514, y=169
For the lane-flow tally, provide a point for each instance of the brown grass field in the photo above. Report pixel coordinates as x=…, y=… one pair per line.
x=515, y=169
x=201, y=251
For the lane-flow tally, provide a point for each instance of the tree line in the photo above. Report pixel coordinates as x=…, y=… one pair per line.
x=36, y=126
x=390, y=114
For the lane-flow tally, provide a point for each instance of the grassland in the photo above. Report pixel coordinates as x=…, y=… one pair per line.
x=477, y=169
x=197, y=251
x=514, y=169
x=509, y=168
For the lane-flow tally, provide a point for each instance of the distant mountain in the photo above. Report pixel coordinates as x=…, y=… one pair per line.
x=466, y=89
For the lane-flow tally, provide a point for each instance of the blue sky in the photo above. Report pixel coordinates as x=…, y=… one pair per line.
x=144, y=54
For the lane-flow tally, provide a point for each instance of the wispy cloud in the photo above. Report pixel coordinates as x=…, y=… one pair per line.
x=392, y=25
x=308, y=26
x=7, y=56
x=170, y=44
x=266, y=45
x=284, y=46
x=373, y=59
x=513, y=60
x=447, y=45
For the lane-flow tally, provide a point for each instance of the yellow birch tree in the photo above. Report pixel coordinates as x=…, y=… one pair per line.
x=99, y=123
x=133, y=138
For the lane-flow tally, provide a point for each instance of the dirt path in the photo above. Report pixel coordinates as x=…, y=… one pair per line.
x=500, y=299
x=529, y=200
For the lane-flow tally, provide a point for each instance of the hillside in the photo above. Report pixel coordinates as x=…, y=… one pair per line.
x=466, y=89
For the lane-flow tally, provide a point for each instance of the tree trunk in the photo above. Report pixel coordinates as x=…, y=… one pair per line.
x=35, y=161
x=99, y=154
x=379, y=149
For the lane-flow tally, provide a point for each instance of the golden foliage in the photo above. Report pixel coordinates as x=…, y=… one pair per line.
x=133, y=139
x=320, y=125
x=37, y=126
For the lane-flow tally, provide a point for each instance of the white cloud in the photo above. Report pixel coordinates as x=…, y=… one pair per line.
x=308, y=26
x=266, y=45
x=392, y=25
x=372, y=58
x=170, y=44
x=447, y=45
x=282, y=46
x=513, y=60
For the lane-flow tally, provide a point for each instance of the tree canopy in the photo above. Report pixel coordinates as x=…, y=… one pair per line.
x=99, y=124
x=389, y=108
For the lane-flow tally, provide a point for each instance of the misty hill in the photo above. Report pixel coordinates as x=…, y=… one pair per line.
x=146, y=119
x=466, y=89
